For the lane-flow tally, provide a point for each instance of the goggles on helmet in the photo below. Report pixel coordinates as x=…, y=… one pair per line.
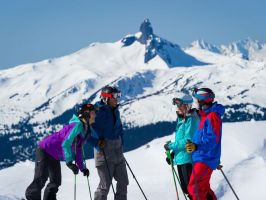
x=115, y=95
x=85, y=110
x=203, y=94
x=177, y=102
x=89, y=107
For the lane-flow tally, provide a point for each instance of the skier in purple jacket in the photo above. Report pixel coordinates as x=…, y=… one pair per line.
x=65, y=144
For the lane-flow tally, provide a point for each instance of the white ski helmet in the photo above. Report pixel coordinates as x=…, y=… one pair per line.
x=183, y=99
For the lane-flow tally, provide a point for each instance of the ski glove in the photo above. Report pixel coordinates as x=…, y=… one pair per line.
x=172, y=157
x=101, y=143
x=73, y=167
x=166, y=147
x=191, y=147
x=86, y=172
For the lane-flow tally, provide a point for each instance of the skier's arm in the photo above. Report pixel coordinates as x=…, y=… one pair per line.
x=122, y=137
x=212, y=134
x=68, y=142
x=79, y=158
x=121, y=133
x=99, y=124
x=190, y=129
x=93, y=140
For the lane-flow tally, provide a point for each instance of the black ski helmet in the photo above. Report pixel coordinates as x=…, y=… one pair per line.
x=110, y=92
x=84, y=110
x=205, y=95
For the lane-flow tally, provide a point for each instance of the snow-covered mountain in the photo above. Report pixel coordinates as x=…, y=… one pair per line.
x=39, y=98
x=247, y=49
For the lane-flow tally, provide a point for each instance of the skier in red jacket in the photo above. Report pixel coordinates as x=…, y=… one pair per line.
x=206, y=145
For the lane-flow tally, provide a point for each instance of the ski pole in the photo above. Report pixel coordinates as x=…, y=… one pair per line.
x=135, y=179
x=75, y=188
x=220, y=168
x=84, y=161
x=172, y=167
x=177, y=177
x=108, y=169
x=75, y=179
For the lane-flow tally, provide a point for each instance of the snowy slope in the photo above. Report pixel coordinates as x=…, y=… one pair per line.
x=39, y=98
x=243, y=157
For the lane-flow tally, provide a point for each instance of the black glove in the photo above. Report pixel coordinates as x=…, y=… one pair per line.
x=166, y=147
x=86, y=172
x=73, y=167
x=172, y=157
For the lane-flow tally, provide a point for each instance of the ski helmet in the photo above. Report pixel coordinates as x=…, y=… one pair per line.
x=204, y=94
x=183, y=99
x=110, y=92
x=85, y=109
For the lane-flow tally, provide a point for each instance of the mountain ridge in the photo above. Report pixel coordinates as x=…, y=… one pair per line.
x=38, y=98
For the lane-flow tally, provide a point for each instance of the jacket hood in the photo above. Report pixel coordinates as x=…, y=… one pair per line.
x=218, y=108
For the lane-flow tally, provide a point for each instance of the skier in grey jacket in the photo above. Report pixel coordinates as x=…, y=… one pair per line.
x=109, y=159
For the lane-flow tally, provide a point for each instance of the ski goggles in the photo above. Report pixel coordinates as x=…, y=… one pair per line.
x=89, y=107
x=115, y=95
x=203, y=94
x=177, y=102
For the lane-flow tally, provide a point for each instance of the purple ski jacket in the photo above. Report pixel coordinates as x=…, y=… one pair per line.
x=61, y=145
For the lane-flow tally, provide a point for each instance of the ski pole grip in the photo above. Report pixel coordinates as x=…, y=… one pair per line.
x=219, y=167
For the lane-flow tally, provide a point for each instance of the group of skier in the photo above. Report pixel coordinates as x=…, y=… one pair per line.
x=196, y=149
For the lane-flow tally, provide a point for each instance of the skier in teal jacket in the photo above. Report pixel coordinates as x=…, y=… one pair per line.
x=187, y=124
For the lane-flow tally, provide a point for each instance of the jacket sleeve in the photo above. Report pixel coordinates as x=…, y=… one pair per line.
x=69, y=141
x=93, y=139
x=190, y=128
x=122, y=137
x=79, y=158
x=98, y=125
x=211, y=134
x=121, y=129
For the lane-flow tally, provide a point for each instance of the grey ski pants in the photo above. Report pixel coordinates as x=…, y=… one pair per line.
x=45, y=166
x=118, y=171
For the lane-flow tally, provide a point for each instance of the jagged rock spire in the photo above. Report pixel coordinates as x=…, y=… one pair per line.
x=146, y=31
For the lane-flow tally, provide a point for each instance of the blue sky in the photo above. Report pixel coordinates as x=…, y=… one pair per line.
x=33, y=30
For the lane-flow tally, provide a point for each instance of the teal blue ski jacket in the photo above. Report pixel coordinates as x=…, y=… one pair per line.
x=185, y=129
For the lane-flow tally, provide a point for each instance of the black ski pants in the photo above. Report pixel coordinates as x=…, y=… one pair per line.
x=45, y=166
x=184, y=172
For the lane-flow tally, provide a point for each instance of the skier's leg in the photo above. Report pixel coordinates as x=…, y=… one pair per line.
x=33, y=192
x=184, y=172
x=120, y=175
x=199, y=184
x=211, y=195
x=51, y=189
x=105, y=181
